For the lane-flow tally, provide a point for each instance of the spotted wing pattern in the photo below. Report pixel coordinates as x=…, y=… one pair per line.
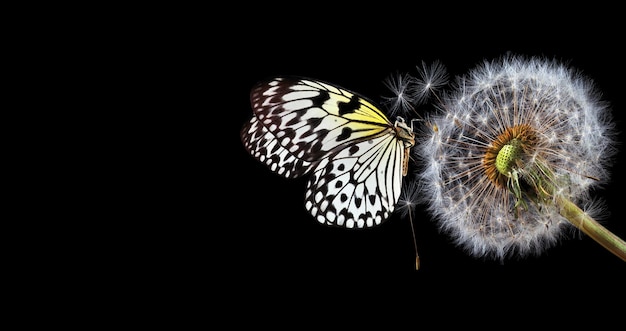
x=355, y=156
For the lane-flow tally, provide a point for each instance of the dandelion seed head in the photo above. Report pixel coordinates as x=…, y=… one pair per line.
x=508, y=127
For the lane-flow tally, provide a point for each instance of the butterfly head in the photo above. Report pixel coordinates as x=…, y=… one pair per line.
x=405, y=132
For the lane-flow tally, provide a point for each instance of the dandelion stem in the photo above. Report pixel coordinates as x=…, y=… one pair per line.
x=592, y=228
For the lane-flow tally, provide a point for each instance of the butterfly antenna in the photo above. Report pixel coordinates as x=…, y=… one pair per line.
x=420, y=118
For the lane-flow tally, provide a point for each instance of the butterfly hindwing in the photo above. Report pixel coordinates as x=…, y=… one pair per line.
x=353, y=154
x=358, y=186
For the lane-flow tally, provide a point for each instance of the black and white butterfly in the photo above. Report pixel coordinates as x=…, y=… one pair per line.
x=355, y=156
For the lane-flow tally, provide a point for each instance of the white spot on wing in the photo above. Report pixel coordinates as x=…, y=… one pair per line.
x=300, y=95
x=297, y=104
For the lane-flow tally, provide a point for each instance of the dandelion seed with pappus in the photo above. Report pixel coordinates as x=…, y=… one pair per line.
x=513, y=151
x=408, y=201
x=403, y=97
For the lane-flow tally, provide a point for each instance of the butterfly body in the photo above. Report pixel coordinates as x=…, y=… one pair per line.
x=354, y=155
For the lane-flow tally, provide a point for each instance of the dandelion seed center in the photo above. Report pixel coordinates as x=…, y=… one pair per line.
x=507, y=156
x=507, y=151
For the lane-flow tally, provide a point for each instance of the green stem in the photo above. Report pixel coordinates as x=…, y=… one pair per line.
x=592, y=228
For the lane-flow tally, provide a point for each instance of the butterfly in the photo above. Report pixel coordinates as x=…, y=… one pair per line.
x=354, y=155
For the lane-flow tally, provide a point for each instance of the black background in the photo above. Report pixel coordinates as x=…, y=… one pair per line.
x=169, y=221
x=243, y=234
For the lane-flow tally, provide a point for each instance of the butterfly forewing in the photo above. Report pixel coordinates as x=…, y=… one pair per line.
x=310, y=118
x=265, y=147
x=353, y=153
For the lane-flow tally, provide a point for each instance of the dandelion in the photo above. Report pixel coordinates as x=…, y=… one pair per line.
x=516, y=148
